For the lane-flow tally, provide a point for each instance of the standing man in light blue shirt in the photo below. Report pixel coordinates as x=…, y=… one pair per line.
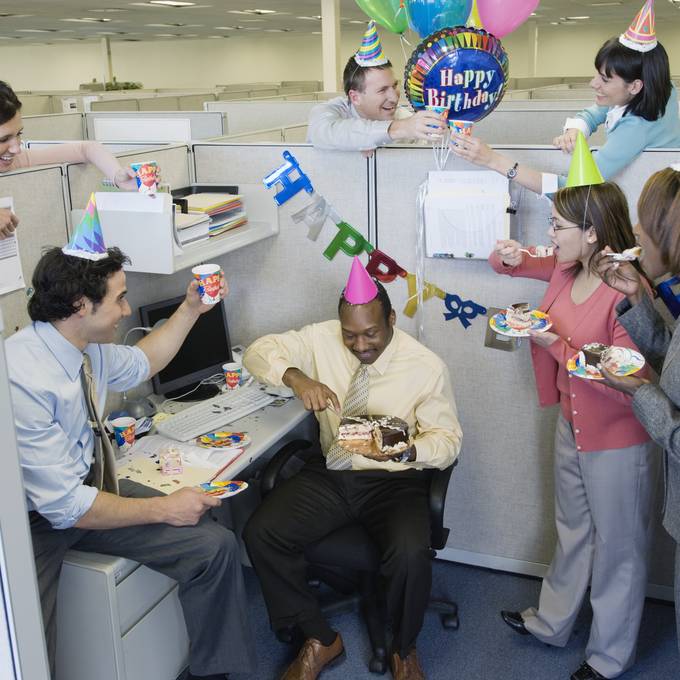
x=76, y=309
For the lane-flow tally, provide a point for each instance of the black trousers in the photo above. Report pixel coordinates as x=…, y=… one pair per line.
x=392, y=507
x=204, y=559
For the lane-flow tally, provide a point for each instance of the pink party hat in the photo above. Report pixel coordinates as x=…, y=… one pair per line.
x=360, y=287
x=641, y=35
x=87, y=240
x=370, y=52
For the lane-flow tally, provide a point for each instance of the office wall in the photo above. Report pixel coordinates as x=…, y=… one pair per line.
x=203, y=63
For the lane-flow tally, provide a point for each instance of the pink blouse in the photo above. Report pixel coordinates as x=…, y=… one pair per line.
x=602, y=417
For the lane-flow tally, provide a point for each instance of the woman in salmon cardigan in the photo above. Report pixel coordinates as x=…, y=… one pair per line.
x=604, y=461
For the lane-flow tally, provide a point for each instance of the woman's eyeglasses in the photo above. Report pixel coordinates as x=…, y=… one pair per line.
x=552, y=223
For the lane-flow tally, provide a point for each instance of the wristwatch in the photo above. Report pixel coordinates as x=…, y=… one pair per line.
x=512, y=173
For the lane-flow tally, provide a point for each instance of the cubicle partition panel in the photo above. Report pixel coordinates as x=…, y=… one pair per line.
x=285, y=282
x=173, y=162
x=528, y=126
x=245, y=116
x=568, y=106
x=115, y=105
x=62, y=126
x=39, y=202
x=500, y=502
x=154, y=126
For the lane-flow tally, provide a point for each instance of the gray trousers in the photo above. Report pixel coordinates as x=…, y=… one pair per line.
x=204, y=560
x=677, y=590
x=603, y=513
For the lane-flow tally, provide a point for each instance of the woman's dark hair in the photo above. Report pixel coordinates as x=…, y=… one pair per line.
x=659, y=215
x=60, y=281
x=383, y=298
x=652, y=68
x=9, y=103
x=354, y=76
x=603, y=207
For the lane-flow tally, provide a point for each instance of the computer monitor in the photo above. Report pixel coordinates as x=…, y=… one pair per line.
x=202, y=354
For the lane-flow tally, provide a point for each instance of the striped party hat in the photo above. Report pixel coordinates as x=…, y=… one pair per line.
x=371, y=52
x=641, y=35
x=87, y=240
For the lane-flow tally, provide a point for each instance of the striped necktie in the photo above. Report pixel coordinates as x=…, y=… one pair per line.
x=104, y=464
x=356, y=404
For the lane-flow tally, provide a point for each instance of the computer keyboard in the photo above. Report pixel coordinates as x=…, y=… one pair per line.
x=213, y=414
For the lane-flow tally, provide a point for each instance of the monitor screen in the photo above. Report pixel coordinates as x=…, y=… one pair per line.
x=201, y=355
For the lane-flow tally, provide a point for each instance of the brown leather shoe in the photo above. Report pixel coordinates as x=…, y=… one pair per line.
x=408, y=668
x=313, y=658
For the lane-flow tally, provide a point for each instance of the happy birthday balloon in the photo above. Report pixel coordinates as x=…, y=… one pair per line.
x=387, y=13
x=462, y=69
x=427, y=16
x=501, y=17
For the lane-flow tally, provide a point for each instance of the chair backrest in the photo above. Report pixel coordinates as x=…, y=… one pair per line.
x=439, y=485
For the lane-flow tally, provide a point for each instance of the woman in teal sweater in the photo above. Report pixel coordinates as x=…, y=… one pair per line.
x=634, y=99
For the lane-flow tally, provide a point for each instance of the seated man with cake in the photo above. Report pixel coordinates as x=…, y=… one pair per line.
x=372, y=468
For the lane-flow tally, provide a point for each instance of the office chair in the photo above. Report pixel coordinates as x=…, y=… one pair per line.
x=347, y=560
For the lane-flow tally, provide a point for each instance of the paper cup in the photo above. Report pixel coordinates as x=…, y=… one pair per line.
x=124, y=429
x=147, y=176
x=462, y=127
x=232, y=375
x=209, y=277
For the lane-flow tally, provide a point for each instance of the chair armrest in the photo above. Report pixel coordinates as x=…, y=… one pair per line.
x=272, y=471
x=438, y=487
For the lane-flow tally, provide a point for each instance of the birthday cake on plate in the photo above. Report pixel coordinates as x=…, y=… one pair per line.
x=390, y=434
x=518, y=316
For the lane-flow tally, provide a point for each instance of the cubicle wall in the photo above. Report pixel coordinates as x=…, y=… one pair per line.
x=149, y=126
x=39, y=201
x=62, y=126
x=286, y=282
x=528, y=126
x=173, y=162
x=245, y=116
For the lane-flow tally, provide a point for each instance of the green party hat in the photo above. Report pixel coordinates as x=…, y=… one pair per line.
x=583, y=171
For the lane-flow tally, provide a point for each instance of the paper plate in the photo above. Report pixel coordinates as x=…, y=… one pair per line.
x=626, y=363
x=540, y=322
x=225, y=489
x=223, y=440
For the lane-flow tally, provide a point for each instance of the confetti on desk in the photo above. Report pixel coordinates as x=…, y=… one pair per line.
x=223, y=440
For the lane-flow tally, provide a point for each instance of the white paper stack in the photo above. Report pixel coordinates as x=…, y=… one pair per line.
x=465, y=213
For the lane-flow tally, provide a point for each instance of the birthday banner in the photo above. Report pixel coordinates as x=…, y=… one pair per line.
x=290, y=180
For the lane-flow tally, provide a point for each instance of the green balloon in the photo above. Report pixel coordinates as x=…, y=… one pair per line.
x=386, y=13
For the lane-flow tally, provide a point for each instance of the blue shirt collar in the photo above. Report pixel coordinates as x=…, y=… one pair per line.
x=67, y=354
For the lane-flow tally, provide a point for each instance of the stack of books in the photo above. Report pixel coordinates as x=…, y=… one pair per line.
x=225, y=211
x=192, y=227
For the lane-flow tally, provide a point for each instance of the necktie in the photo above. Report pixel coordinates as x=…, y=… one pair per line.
x=104, y=466
x=356, y=403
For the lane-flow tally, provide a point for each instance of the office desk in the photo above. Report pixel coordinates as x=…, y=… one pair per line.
x=269, y=429
x=125, y=620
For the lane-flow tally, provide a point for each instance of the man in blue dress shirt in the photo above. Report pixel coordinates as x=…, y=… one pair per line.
x=76, y=308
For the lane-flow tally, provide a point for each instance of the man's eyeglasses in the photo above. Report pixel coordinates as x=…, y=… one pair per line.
x=552, y=223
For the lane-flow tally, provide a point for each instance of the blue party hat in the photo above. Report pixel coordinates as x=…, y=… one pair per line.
x=87, y=240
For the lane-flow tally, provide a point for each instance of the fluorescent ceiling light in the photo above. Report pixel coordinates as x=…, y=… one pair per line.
x=171, y=3
x=89, y=20
x=253, y=11
x=36, y=30
x=577, y=18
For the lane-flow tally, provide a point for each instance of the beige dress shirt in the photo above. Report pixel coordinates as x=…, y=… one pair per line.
x=407, y=381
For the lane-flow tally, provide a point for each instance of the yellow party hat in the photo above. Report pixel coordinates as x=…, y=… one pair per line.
x=474, y=20
x=583, y=171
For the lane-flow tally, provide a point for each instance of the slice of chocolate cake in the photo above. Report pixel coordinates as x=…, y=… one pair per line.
x=389, y=433
x=593, y=352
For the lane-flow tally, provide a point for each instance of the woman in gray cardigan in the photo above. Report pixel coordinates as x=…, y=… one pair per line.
x=656, y=406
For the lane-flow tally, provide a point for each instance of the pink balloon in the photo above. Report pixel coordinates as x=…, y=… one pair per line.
x=501, y=17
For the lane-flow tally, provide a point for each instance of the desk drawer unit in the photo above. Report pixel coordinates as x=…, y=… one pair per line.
x=118, y=620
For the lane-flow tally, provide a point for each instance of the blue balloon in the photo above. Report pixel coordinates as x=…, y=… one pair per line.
x=469, y=82
x=427, y=16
